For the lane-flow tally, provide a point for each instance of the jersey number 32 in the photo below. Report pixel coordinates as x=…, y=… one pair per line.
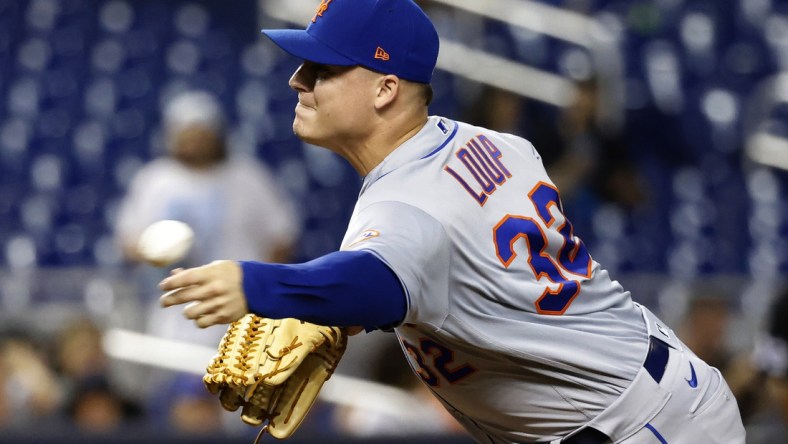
x=559, y=265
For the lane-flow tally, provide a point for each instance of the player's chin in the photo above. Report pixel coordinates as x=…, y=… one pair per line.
x=298, y=129
x=302, y=130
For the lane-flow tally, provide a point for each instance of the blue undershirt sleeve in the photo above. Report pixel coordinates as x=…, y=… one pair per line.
x=344, y=288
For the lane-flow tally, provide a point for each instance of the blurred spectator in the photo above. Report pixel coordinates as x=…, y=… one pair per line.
x=187, y=407
x=5, y=408
x=95, y=407
x=29, y=389
x=94, y=404
x=705, y=324
x=415, y=413
x=79, y=352
x=233, y=203
x=507, y=112
x=593, y=157
x=768, y=421
x=587, y=161
x=760, y=379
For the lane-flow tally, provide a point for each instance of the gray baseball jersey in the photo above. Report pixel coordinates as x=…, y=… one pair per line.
x=510, y=322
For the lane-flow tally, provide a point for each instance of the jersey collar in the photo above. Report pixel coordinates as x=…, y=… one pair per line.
x=433, y=137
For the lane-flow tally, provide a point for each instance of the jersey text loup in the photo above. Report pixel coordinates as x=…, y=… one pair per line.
x=482, y=159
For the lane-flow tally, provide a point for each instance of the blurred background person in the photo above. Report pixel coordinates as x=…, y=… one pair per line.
x=593, y=159
x=5, y=408
x=232, y=202
x=185, y=406
x=590, y=163
x=95, y=406
x=94, y=402
x=30, y=392
x=704, y=327
x=761, y=378
x=78, y=351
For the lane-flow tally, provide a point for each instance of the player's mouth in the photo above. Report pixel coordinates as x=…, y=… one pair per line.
x=301, y=105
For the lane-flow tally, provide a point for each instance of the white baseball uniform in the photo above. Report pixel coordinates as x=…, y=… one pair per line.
x=510, y=322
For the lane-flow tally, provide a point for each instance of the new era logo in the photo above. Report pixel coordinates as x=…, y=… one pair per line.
x=381, y=54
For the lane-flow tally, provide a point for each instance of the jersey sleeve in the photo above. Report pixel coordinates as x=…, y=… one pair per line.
x=416, y=248
x=343, y=288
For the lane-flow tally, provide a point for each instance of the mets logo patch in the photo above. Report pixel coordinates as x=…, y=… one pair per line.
x=321, y=8
x=365, y=235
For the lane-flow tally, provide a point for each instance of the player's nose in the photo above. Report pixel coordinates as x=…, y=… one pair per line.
x=299, y=81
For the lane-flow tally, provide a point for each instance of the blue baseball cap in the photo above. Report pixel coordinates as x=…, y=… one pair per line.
x=388, y=36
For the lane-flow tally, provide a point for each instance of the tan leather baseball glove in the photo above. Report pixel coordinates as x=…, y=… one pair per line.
x=273, y=369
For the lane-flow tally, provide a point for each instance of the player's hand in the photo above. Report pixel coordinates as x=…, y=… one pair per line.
x=214, y=293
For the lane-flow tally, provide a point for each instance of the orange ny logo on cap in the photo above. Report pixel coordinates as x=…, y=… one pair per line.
x=381, y=54
x=321, y=8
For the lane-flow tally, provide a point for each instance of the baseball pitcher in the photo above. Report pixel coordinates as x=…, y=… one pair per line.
x=459, y=243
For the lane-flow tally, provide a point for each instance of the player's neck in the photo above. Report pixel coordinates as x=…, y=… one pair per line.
x=382, y=142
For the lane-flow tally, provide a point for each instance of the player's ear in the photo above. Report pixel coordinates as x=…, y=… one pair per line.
x=387, y=90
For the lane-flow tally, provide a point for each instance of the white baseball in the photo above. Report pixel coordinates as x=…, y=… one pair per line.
x=165, y=242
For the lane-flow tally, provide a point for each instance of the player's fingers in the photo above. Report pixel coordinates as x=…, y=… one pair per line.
x=179, y=278
x=172, y=297
x=208, y=290
x=221, y=310
x=183, y=278
x=184, y=295
x=193, y=310
x=208, y=320
x=215, y=319
x=201, y=308
x=217, y=271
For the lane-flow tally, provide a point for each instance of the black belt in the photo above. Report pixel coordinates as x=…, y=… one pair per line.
x=656, y=358
x=655, y=363
x=588, y=435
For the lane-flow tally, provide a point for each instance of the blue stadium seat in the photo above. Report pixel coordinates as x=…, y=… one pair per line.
x=82, y=83
x=20, y=251
x=72, y=243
